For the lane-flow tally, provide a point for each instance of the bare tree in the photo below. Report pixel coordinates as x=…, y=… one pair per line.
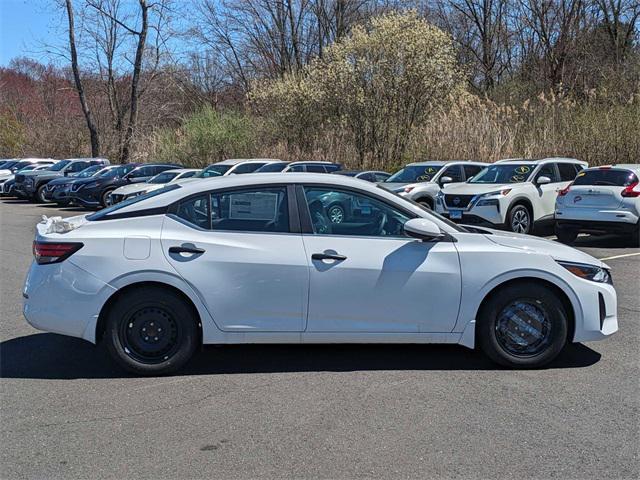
x=91, y=125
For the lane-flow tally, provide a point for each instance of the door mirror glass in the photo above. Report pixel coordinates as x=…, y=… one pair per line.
x=445, y=180
x=543, y=180
x=422, y=228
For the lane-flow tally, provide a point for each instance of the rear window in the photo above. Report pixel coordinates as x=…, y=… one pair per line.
x=610, y=176
x=101, y=214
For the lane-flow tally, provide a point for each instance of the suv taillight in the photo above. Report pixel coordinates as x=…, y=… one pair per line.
x=565, y=190
x=630, y=192
x=54, y=252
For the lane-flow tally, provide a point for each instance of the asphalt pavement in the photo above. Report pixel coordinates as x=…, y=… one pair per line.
x=365, y=411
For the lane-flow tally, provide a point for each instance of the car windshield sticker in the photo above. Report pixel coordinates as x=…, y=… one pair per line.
x=516, y=179
x=253, y=206
x=522, y=170
x=581, y=174
x=428, y=174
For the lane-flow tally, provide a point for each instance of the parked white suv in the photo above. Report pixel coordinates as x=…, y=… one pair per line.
x=600, y=200
x=438, y=174
x=514, y=194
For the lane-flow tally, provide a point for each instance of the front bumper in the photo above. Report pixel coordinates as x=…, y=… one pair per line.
x=599, y=306
x=63, y=298
x=86, y=197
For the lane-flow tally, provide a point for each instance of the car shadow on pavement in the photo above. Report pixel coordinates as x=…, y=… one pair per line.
x=605, y=241
x=51, y=356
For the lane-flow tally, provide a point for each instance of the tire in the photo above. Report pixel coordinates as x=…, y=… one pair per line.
x=335, y=213
x=426, y=202
x=39, y=196
x=151, y=331
x=104, y=196
x=520, y=219
x=533, y=304
x=566, y=235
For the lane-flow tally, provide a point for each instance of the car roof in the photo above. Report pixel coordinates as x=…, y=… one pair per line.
x=445, y=162
x=189, y=187
x=235, y=161
x=312, y=162
x=181, y=170
x=626, y=166
x=540, y=161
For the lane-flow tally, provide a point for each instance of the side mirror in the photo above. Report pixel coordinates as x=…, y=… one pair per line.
x=423, y=229
x=445, y=180
x=543, y=180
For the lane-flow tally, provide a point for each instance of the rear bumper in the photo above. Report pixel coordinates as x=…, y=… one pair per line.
x=589, y=226
x=63, y=298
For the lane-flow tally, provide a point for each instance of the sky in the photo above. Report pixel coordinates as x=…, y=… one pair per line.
x=26, y=26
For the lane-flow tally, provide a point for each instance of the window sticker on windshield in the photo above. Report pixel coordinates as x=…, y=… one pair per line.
x=522, y=170
x=581, y=174
x=253, y=206
x=428, y=174
x=516, y=179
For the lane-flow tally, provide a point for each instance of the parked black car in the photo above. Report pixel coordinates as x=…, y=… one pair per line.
x=32, y=184
x=94, y=192
x=58, y=190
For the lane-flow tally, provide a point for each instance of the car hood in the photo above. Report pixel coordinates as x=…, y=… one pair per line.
x=5, y=172
x=531, y=244
x=393, y=186
x=63, y=180
x=134, y=187
x=475, y=188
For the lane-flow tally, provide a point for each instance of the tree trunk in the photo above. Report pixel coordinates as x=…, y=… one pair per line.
x=137, y=68
x=93, y=131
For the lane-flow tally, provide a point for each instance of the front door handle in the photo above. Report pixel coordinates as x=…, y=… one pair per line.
x=328, y=256
x=186, y=250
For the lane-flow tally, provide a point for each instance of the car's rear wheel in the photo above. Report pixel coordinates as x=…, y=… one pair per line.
x=566, y=235
x=40, y=194
x=520, y=219
x=524, y=326
x=151, y=331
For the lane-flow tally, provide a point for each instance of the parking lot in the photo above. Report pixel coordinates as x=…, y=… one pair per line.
x=315, y=411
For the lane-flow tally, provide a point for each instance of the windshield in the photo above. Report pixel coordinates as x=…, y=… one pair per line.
x=89, y=171
x=118, y=171
x=610, y=176
x=164, y=177
x=213, y=171
x=414, y=173
x=8, y=164
x=504, y=173
x=272, y=167
x=130, y=201
x=27, y=168
x=60, y=165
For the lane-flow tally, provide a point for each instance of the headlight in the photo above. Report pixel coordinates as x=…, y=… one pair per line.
x=588, y=272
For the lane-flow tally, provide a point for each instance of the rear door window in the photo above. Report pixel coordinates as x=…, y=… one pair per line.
x=251, y=210
x=471, y=170
x=548, y=170
x=316, y=168
x=455, y=172
x=613, y=177
x=567, y=171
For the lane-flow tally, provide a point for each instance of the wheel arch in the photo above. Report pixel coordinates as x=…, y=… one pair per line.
x=522, y=201
x=111, y=301
x=564, y=298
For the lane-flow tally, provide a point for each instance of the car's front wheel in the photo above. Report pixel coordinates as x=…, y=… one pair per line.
x=520, y=219
x=151, y=331
x=104, y=199
x=524, y=326
x=40, y=194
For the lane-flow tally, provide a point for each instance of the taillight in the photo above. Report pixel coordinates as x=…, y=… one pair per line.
x=630, y=192
x=565, y=190
x=54, y=252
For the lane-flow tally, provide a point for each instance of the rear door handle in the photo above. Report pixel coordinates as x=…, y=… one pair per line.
x=328, y=256
x=186, y=250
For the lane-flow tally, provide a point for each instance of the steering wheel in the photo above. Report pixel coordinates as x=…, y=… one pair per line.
x=382, y=222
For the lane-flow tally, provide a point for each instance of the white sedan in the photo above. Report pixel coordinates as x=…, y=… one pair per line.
x=255, y=259
x=159, y=181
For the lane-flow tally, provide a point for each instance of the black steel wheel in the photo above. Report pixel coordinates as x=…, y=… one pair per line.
x=151, y=331
x=523, y=325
